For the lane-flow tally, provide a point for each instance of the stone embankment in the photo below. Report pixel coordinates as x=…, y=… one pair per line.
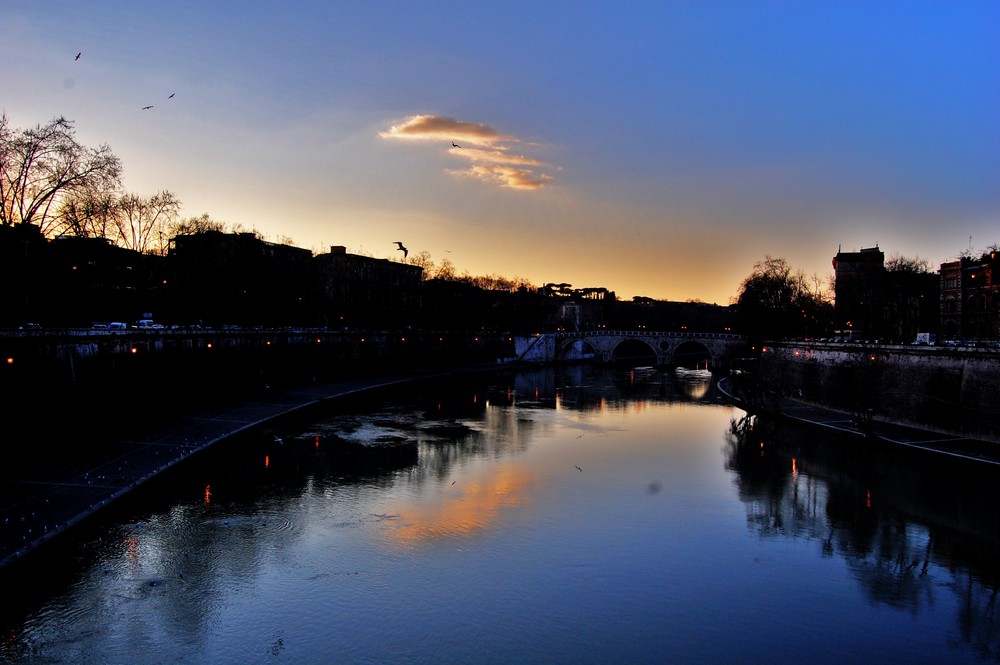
x=45, y=494
x=898, y=436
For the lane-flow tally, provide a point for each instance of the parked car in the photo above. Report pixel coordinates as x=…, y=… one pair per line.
x=117, y=325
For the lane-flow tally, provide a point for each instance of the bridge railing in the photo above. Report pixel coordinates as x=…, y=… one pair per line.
x=647, y=333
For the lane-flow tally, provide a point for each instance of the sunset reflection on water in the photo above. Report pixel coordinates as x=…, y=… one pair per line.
x=576, y=516
x=464, y=509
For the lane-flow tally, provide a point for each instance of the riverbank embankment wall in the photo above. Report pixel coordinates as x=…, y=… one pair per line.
x=134, y=375
x=951, y=390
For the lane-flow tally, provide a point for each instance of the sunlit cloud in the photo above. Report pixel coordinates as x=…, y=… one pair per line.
x=439, y=128
x=489, y=152
x=504, y=176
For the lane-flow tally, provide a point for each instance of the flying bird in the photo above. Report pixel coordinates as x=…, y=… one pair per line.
x=78, y=55
x=171, y=95
x=400, y=247
x=455, y=145
x=146, y=108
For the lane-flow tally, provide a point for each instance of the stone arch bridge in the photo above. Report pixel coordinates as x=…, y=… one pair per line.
x=663, y=348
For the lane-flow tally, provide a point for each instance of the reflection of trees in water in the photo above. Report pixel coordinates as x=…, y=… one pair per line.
x=979, y=620
x=896, y=521
x=779, y=499
x=894, y=571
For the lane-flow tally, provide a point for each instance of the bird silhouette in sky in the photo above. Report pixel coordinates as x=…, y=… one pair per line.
x=455, y=145
x=171, y=95
x=400, y=247
x=78, y=55
x=146, y=108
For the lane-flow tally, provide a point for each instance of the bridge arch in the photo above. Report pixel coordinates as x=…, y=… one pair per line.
x=692, y=354
x=578, y=349
x=636, y=351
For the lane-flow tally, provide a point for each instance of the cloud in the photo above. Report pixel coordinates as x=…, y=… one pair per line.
x=439, y=128
x=504, y=176
x=488, y=150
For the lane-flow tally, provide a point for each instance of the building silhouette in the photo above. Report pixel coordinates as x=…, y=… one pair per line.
x=859, y=290
x=875, y=303
x=354, y=291
x=970, y=297
x=237, y=279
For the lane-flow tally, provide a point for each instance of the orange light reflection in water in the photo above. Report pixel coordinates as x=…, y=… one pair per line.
x=208, y=494
x=267, y=461
x=132, y=549
x=472, y=506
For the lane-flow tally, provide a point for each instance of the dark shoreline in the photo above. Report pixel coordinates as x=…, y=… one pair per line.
x=898, y=436
x=39, y=502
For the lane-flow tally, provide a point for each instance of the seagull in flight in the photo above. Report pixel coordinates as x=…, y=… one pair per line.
x=455, y=145
x=146, y=108
x=400, y=247
x=78, y=55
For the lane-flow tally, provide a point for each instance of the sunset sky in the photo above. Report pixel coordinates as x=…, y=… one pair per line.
x=653, y=148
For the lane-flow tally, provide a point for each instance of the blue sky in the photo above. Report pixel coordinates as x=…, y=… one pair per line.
x=654, y=148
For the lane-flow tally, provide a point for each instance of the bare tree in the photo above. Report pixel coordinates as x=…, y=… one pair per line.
x=775, y=301
x=143, y=224
x=41, y=166
x=422, y=259
x=87, y=214
x=445, y=271
x=194, y=225
x=910, y=264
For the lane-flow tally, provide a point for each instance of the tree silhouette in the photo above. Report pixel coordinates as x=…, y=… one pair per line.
x=775, y=301
x=42, y=166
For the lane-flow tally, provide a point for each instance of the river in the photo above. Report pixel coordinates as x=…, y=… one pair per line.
x=579, y=515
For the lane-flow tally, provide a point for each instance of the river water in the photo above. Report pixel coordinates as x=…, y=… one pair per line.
x=580, y=516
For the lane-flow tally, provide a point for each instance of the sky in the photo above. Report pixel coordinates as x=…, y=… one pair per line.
x=657, y=149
